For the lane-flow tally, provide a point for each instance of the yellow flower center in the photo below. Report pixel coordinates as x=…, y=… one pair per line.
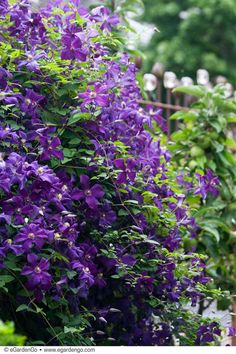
x=27, y=101
x=88, y=193
x=86, y=270
x=59, y=196
x=37, y=269
x=92, y=94
x=40, y=170
x=31, y=235
x=57, y=236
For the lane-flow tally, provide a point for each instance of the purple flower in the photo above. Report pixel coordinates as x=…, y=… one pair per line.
x=144, y=284
x=33, y=234
x=31, y=62
x=98, y=96
x=30, y=102
x=106, y=216
x=73, y=42
x=8, y=245
x=127, y=168
x=141, y=221
x=44, y=173
x=4, y=76
x=50, y=148
x=3, y=7
x=103, y=15
x=127, y=260
x=37, y=273
x=207, y=333
x=207, y=183
x=86, y=278
x=5, y=181
x=184, y=181
x=231, y=331
x=91, y=195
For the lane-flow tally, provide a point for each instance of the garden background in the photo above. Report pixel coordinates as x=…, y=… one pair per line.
x=118, y=172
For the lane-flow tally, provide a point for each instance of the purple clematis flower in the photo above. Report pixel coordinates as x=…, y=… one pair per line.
x=99, y=96
x=127, y=168
x=32, y=234
x=31, y=61
x=3, y=7
x=207, y=183
x=73, y=42
x=37, y=273
x=141, y=221
x=206, y=333
x=144, y=284
x=103, y=14
x=91, y=195
x=7, y=246
x=44, y=173
x=8, y=96
x=85, y=277
x=30, y=102
x=107, y=216
x=4, y=76
x=5, y=181
x=50, y=148
x=172, y=241
x=231, y=331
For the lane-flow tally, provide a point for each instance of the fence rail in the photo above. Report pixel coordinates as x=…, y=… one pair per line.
x=159, y=85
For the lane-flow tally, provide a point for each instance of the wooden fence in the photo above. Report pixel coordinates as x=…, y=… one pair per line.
x=159, y=85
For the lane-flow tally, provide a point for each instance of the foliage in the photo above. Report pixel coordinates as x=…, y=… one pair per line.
x=191, y=36
x=92, y=219
x=7, y=335
x=202, y=141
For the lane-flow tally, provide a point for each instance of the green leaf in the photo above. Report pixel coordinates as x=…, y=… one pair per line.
x=231, y=118
x=123, y=212
x=212, y=231
x=6, y=278
x=70, y=330
x=193, y=90
x=22, y=307
x=78, y=117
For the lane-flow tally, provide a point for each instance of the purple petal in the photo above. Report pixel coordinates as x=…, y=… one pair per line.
x=119, y=163
x=121, y=178
x=32, y=258
x=58, y=154
x=81, y=55
x=55, y=142
x=66, y=54
x=131, y=163
x=97, y=191
x=84, y=181
x=102, y=100
x=132, y=176
x=92, y=202
x=27, y=270
x=77, y=194
x=44, y=264
x=76, y=43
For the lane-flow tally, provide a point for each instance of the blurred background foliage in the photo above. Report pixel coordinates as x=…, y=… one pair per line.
x=7, y=335
x=193, y=34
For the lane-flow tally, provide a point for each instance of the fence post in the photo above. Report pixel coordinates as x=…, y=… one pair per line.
x=169, y=82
